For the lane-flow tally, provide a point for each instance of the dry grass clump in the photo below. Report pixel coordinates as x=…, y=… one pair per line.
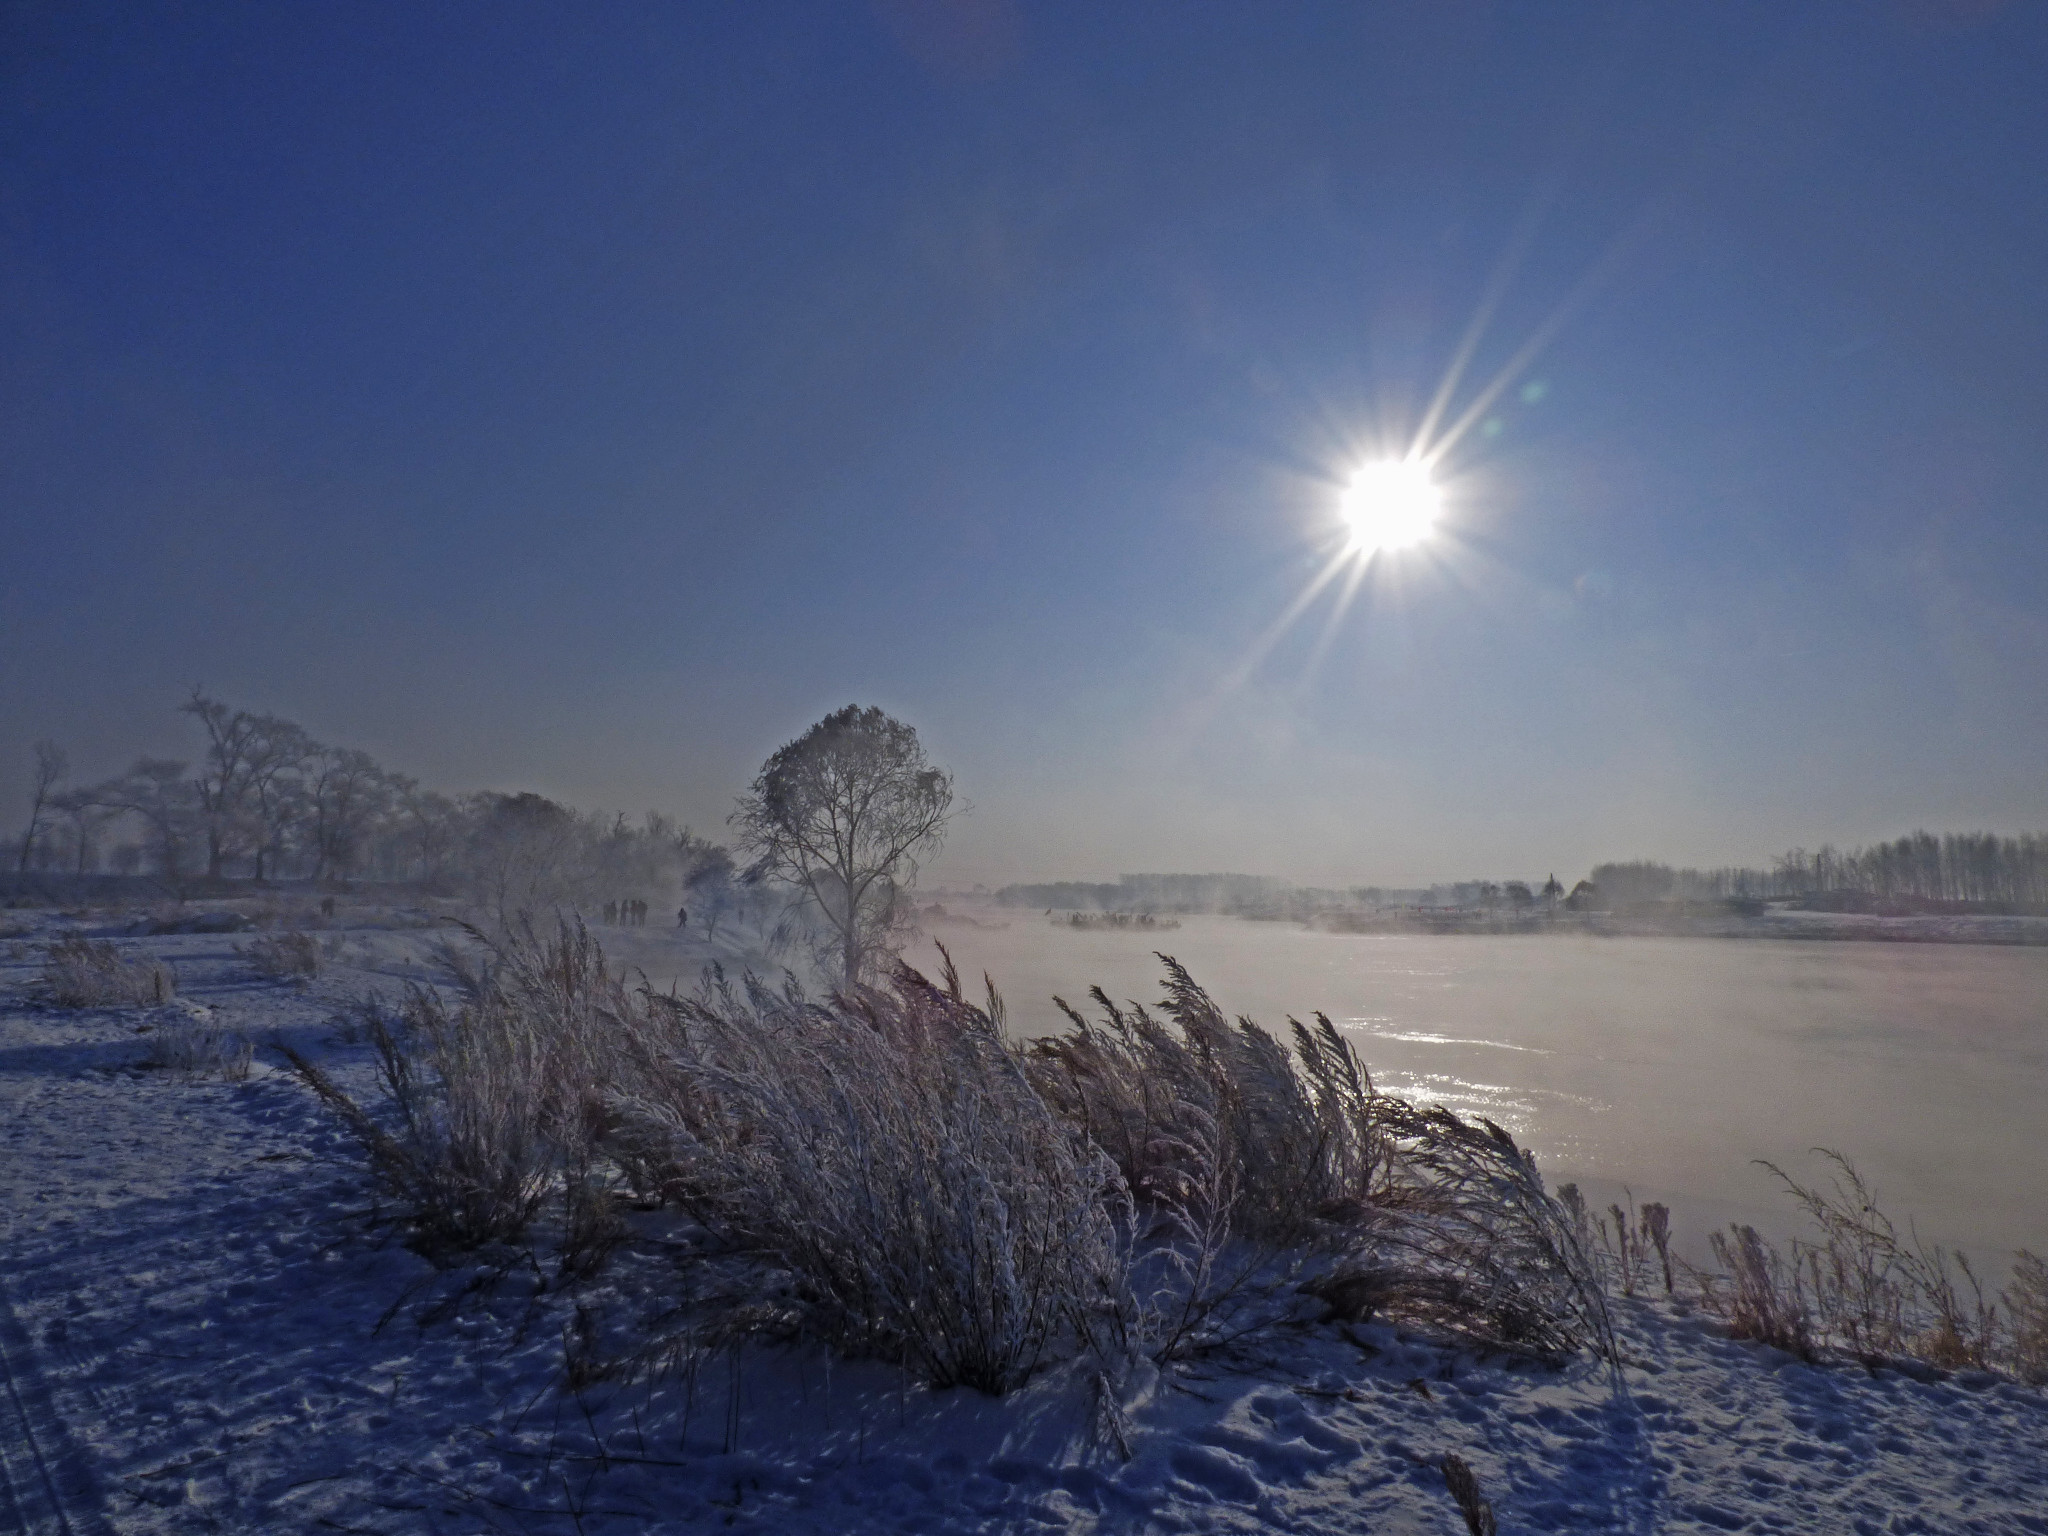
x=885, y=1171
x=84, y=973
x=1634, y=1245
x=1255, y=1165
x=1759, y=1292
x=2026, y=1302
x=200, y=1047
x=878, y=1172
x=460, y=1143
x=288, y=956
x=494, y=1104
x=1861, y=1288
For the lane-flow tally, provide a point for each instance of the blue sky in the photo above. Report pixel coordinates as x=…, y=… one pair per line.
x=587, y=398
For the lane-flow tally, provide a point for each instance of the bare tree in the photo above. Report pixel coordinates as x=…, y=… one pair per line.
x=527, y=854
x=277, y=755
x=430, y=830
x=843, y=813
x=51, y=766
x=90, y=807
x=233, y=743
x=157, y=791
x=345, y=792
x=712, y=885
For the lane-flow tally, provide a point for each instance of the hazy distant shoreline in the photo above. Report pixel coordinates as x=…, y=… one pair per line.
x=1836, y=927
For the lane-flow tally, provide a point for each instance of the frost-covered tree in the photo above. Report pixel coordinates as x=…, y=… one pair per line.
x=159, y=795
x=345, y=794
x=528, y=854
x=843, y=813
x=225, y=778
x=87, y=810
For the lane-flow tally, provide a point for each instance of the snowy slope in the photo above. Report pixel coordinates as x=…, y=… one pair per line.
x=202, y=1331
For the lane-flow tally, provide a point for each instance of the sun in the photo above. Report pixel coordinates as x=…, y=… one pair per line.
x=1391, y=505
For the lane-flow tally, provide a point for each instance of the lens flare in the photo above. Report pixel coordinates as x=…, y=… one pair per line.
x=1391, y=505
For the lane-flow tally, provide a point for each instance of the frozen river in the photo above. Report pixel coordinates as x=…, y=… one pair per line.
x=1667, y=1064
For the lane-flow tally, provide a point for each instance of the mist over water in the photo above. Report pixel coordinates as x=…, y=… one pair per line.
x=1665, y=1064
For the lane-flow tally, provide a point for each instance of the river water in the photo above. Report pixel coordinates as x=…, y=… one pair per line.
x=1666, y=1065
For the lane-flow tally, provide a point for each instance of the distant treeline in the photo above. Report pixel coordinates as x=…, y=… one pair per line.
x=1154, y=893
x=1972, y=868
x=265, y=801
x=1236, y=895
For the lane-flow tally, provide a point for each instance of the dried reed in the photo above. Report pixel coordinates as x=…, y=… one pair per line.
x=284, y=956
x=81, y=973
x=1863, y=1288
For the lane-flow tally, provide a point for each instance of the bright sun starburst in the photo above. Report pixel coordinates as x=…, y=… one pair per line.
x=1391, y=505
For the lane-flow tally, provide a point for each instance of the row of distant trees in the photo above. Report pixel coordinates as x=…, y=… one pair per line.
x=265, y=801
x=1972, y=868
x=833, y=827
x=1980, y=868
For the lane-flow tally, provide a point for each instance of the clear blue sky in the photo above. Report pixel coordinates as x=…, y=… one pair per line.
x=588, y=397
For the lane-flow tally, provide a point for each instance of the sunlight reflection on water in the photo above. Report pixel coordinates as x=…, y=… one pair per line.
x=1666, y=1063
x=1423, y=1037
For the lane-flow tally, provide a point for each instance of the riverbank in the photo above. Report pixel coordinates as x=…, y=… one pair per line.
x=205, y=1329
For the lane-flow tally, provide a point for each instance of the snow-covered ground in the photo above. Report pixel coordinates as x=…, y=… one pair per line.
x=203, y=1330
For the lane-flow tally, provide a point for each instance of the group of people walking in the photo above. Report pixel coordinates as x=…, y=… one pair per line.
x=631, y=912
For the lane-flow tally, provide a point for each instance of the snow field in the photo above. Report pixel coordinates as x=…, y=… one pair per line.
x=194, y=1292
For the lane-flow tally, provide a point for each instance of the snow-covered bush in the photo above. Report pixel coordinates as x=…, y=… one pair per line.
x=886, y=1171
x=199, y=1046
x=83, y=973
x=458, y=1139
x=284, y=956
x=495, y=1103
x=878, y=1172
x=1264, y=1173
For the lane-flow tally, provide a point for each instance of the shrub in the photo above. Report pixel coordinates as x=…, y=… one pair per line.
x=463, y=1150
x=1860, y=1288
x=885, y=1171
x=488, y=1104
x=81, y=973
x=882, y=1169
x=2026, y=1302
x=1260, y=1168
x=1758, y=1293
x=199, y=1046
x=284, y=956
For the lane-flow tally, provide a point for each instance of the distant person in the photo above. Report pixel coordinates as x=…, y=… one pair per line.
x=682, y=918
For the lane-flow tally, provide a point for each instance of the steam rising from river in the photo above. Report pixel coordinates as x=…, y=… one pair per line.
x=1668, y=1064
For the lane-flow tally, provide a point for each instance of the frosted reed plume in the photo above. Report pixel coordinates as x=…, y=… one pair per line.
x=84, y=973
x=884, y=1170
x=1863, y=1289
